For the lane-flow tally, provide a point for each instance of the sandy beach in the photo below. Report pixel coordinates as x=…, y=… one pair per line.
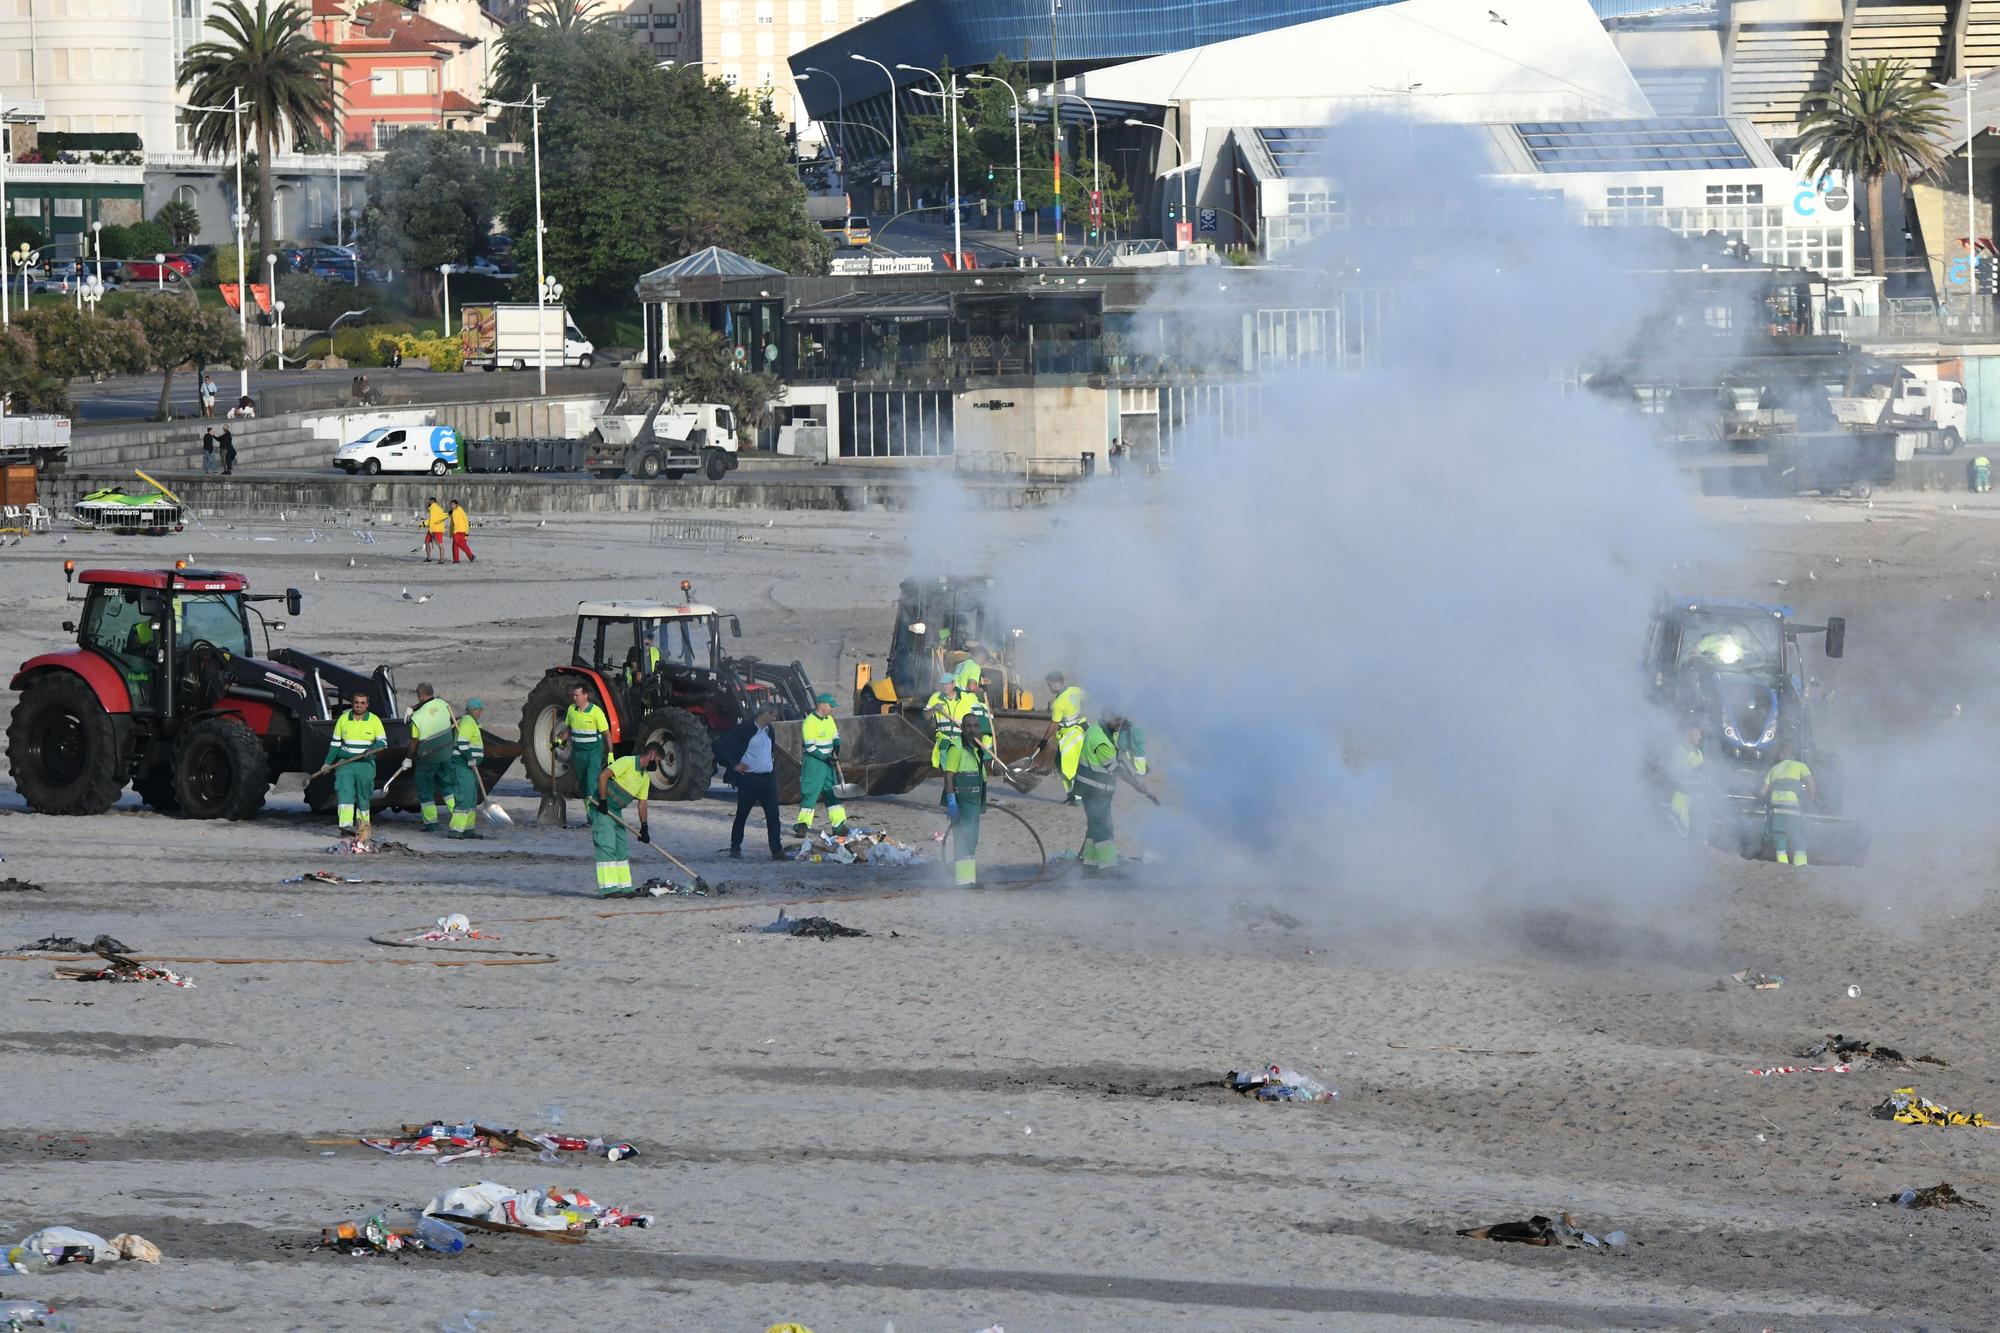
x=1002, y=1107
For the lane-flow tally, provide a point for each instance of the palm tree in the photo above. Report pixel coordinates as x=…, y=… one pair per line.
x=1875, y=122
x=285, y=76
x=565, y=15
x=522, y=45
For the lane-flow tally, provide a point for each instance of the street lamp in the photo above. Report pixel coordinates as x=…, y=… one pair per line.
x=91, y=291
x=9, y=115
x=840, y=109
x=24, y=255
x=160, y=272
x=97, y=245
x=1096, y=166
x=546, y=295
x=235, y=111
x=1180, y=160
x=950, y=95
x=543, y=282
x=445, y=269
x=278, y=309
x=1019, y=244
x=895, y=149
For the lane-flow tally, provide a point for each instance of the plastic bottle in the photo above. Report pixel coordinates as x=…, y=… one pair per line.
x=1300, y=1087
x=440, y=1235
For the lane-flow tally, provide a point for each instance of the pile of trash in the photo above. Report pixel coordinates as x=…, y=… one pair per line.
x=449, y=1142
x=1276, y=1083
x=1941, y=1195
x=118, y=964
x=12, y=885
x=51, y=1247
x=374, y=1235
x=16, y=1313
x=808, y=927
x=857, y=847
x=665, y=888
x=1853, y=1052
x=449, y=928
x=1539, y=1230
x=491, y=1206
x=1905, y=1107
x=321, y=877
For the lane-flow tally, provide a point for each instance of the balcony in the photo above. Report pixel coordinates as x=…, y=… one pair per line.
x=182, y=160
x=73, y=173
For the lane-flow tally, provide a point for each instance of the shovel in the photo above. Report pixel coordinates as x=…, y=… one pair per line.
x=487, y=805
x=1011, y=777
x=699, y=883
x=354, y=759
x=843, y=790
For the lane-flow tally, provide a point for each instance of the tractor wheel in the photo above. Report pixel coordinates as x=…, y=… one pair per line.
x=64, y=749
x=156, y=788
x=220, y=771
x=687, y=753
x=548, y=768
x=715, y=464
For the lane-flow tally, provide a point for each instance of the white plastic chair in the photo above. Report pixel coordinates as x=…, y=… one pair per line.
x=39, y=519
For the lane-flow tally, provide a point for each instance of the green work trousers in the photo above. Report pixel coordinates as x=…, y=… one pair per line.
x=434, y=786
x=465, y=796
x=607, y=839
x=354, y=789
x=1788, y=835
x=817, y=780
x=970, y=788
x=1095, y=787
x=587, y=761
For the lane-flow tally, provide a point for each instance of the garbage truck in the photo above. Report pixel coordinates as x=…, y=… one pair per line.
x=646, y=432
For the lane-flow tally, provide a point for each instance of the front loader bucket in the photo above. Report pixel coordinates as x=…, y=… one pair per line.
x=885, y=754
x=1830, y=839
x=401, y=793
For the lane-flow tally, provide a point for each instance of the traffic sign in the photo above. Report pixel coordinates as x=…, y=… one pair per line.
x=1019, y=206
x=1183, y=234
x=1207, y=216
x=1096, y=208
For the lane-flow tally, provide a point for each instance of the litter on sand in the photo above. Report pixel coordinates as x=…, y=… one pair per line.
x=1905, y=1107
x=374, y=1235
x=52, y=1247
x=1757, y=980
x=1941, y=1195
x=321, y=877
x=811, y=927
x=1539, y=1230
x=449, y=928
x=452, y=1142
x=665, y=888
x=119, y=968
x=857, y=847
x=1276, y=1083
x=1854, y=1052
x=12, y=885
x=18, y=1313
x=558, y=1212
x=1800, y=1069
x=103, y=944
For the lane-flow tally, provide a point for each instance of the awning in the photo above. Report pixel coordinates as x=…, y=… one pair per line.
x=895, y=307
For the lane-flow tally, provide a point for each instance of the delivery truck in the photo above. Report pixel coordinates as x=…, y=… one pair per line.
x=505, y=334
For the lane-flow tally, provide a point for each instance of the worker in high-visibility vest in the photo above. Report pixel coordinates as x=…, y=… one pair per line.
x=620, y=783
x=1096, y=784
x=430, y=754
x=1067, y=725
x=588, y=732
x=1684, y=766
x=819, y=737
x=964, y=767
x=356, y=733
x=943, y=709
x=1789, y=787
x=434, y=525
x=468, y=752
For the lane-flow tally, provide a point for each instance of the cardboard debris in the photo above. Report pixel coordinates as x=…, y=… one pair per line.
x=857, y=847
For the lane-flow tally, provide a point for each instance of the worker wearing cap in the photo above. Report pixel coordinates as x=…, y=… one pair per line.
x=819, y=736
x=622, y=782
x=356, y=733
x=1788, y=786
x=430, y=754
x=468, y=752
x=971, y=688
x=434, y=524
x=1982, y=474
x=942, y=710
x=965, y=792
x=1067, y=724
x=588, y=731
x=1096, y=783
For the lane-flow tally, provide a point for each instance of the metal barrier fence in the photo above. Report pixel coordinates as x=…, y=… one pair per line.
x=690, y=532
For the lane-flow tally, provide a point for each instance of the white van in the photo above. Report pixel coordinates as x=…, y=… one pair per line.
x=432, y=449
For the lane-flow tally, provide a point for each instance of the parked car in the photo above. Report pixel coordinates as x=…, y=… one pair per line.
x=494, y=266
x=145, y=270
x=304, y=257
x=337, y=270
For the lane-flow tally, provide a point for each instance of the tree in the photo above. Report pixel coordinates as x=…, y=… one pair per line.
x=430, y=202
x=20, y=231
x=286, y=78
x=141, y=240
x=181, y=333
x=642, y=165
x=525, y=45
x=706, y=371
x=181, y=219
x=70, y=342
x=24, y=385
x=1875, y=122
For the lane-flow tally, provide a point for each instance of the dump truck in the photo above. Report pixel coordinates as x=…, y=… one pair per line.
x=1737, y=671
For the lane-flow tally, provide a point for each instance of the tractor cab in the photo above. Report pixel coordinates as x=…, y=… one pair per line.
x=165, y=630
x=940, y=623
x=652, y=655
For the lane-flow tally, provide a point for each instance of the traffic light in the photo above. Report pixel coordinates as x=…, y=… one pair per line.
x=989, y=173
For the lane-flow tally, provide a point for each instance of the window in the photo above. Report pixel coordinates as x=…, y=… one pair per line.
x=732, y=44
x=386, y=132
x=729, y=11
x=764, y=44
x=665, y=20
x=1634, y=196
x=731, y=75
x=764, y=76
x=27, y=208
x=764, y=8
x=829, y=12
x=795, y=12
x=866, y=9
x=382, y=83
x=66, y=208
x=416, y=81
x=1735, y=194
x=635, y=20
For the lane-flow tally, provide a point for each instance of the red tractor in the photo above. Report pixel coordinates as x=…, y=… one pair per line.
x=163, y=692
